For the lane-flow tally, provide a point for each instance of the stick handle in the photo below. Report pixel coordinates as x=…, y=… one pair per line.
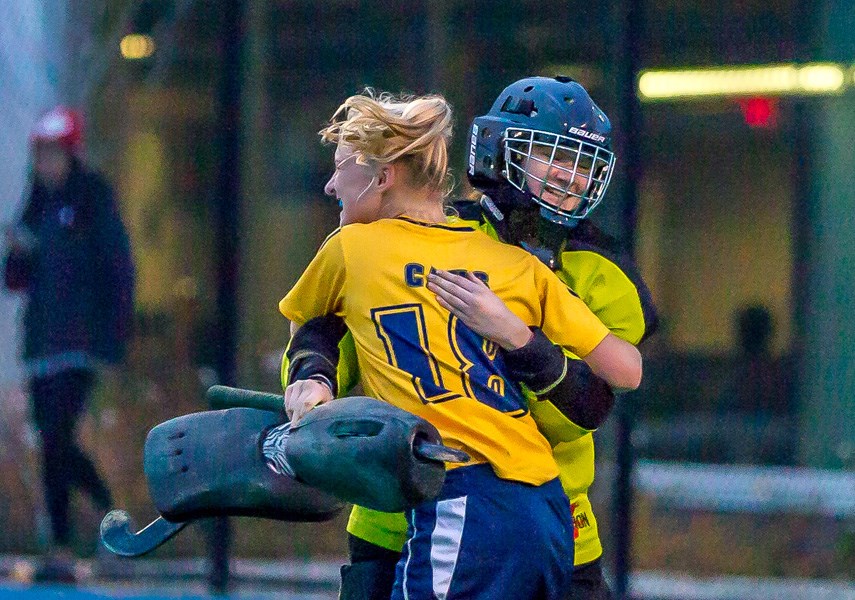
x=221, y=396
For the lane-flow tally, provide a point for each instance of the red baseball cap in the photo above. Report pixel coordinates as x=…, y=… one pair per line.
x=62, y=125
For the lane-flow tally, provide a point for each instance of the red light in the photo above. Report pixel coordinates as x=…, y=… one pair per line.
x=759, y=112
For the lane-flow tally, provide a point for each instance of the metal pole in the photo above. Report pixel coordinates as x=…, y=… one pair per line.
x=804, y=206
x=629, y=28
x=436, y=38
x=227, y=228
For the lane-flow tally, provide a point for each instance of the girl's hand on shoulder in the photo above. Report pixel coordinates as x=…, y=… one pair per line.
x=470, y=300
x=302, y=396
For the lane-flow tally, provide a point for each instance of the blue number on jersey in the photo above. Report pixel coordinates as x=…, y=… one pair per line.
x=403, y=332
x=404, y=335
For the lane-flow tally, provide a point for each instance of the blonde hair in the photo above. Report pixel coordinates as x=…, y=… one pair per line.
x=385, y=128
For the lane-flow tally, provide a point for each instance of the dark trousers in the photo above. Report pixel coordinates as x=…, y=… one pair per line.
x=57, y=403
x=371, y=572
x=371, y=575
x=589, y=583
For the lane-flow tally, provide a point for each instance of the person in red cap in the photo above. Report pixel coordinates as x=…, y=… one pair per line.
x=71, y=257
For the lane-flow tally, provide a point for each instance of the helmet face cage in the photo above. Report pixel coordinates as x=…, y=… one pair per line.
x=559, y=166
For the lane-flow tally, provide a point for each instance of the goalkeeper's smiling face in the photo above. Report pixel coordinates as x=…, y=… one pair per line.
x=558, y=180
x=351, y=185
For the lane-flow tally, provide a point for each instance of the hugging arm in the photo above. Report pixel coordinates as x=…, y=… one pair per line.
x=616, y=361
x=568, y=383
x=309, y=367
x=313, y=352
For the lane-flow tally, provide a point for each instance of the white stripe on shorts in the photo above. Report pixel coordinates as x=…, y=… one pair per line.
x=445, y=543
x=409, y=556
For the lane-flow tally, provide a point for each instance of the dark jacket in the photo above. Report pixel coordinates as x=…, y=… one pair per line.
x=79, y=276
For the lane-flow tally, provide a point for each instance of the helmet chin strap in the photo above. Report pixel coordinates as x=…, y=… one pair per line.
x=554, y=217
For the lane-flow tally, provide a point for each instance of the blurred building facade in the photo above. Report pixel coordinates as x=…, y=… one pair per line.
x=732, y=211
x=826, y=327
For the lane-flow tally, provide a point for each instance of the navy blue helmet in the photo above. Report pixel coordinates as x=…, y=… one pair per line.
x=544, y=141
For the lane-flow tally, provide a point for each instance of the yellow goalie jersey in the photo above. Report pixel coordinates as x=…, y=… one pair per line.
x=413, y=354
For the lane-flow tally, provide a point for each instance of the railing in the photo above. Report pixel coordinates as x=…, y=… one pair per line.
x=743, y=489
x=751, y=489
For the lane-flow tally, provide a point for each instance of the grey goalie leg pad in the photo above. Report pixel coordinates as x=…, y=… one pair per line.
x=211, y=464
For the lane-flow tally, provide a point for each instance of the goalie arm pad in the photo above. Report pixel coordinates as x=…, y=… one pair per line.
x=569, y=383
x=313, y=352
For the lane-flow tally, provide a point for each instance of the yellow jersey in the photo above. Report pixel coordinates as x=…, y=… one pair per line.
x=615, y=292
x=413, y=354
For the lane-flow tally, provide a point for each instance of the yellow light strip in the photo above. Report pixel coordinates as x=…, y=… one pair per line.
x=136, y=46
x=758, y=80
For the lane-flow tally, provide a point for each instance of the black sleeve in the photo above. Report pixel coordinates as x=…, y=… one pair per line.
x=313, y=351
x=570, y=384
x=115, y=272
x=18, y=270
x=18, y=266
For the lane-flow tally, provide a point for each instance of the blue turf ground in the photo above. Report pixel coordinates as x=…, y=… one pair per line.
x=11, y=591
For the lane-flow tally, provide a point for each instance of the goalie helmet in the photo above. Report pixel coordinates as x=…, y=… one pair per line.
x=543, y=141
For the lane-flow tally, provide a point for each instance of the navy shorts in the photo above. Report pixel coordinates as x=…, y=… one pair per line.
x=488, y=538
